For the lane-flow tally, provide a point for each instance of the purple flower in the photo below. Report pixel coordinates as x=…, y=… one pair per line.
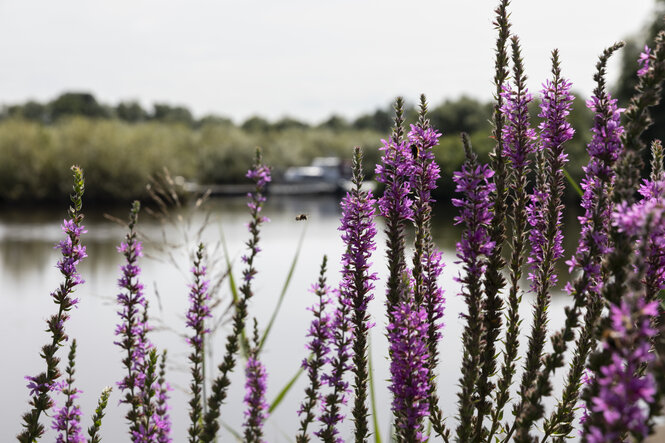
x=604, y=150
x=255, y=392
x=339, y=361
x=132, y=338
x=260, y=174
x=425, y=171
x=474, y=183
x=395, y=171
x=407, y=335
x=621, y=404
x=321, y=335
x=646, y=221
x=67, y=419
x=519, y=138
x=358, y=232
x=320, y=332
x=644, y=61
x=554, y=132
x=199, y=296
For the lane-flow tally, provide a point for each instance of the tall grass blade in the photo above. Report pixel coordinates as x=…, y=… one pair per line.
x=372, y=395
x=285, y=390
x=233, y=288
x=287, y=282
x=573, y=183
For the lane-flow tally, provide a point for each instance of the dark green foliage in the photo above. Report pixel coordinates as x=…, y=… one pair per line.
x=379, y=121
x=75, y=103
x=131, y=112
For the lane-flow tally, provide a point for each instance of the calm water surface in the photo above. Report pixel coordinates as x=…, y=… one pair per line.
x=28, y=275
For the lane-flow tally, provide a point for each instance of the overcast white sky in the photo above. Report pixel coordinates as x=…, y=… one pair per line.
x=302, y=58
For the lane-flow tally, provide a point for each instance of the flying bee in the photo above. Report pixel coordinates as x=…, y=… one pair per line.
x=301, y=217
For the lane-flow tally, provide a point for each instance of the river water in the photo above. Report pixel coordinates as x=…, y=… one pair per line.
x=28, y=275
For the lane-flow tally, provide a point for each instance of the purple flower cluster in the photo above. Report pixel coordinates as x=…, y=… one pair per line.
x=358, y=232
x=475, y=212
x=199, y=296
x=518, y=137
x=67, y=420
x=425, y=171
x=72, y=253
x=604, y=150
x=320, y=331
x=342, y=337
x=410, y=375
x=255, y=392
x=644, y=61
x=395, y=171
x=260, y=174
x=623, y=393
x=646, y=220
x=554, y=132
x=132, y=330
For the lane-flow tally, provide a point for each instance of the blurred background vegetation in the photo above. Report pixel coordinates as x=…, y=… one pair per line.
x=121, y=146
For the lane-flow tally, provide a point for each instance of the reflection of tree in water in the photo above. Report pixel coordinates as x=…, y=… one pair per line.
x=28, y=262
x=26, y=259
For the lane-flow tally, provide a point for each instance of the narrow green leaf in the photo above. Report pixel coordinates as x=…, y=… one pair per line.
x=573, y=183
x=233, y=288
x=273, y=317
x=229, y=267
x=285, y=391
x=372, y=395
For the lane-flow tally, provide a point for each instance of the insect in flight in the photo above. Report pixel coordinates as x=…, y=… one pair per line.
x=301, y=217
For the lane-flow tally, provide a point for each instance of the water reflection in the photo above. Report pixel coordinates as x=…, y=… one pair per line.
x=28, y=275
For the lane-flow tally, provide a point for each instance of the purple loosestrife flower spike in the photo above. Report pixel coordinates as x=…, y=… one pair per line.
x=474, y=183
x=645, y=221
x=342, y=335
x=67, y=420
x=72, y=253
x=260, y=174
x=132, y=328
x=424, y=174
x=358, y=232
x=594, y=245
x=427, y=262
x=321, y=335
x=518, y=145
x=255, y=393
x=648, y=93
x=410, y=380
x=544, y=214
x=620, y=405
x=494, y=280
x=199, y=311
x=604, y=150
x=394, y=171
